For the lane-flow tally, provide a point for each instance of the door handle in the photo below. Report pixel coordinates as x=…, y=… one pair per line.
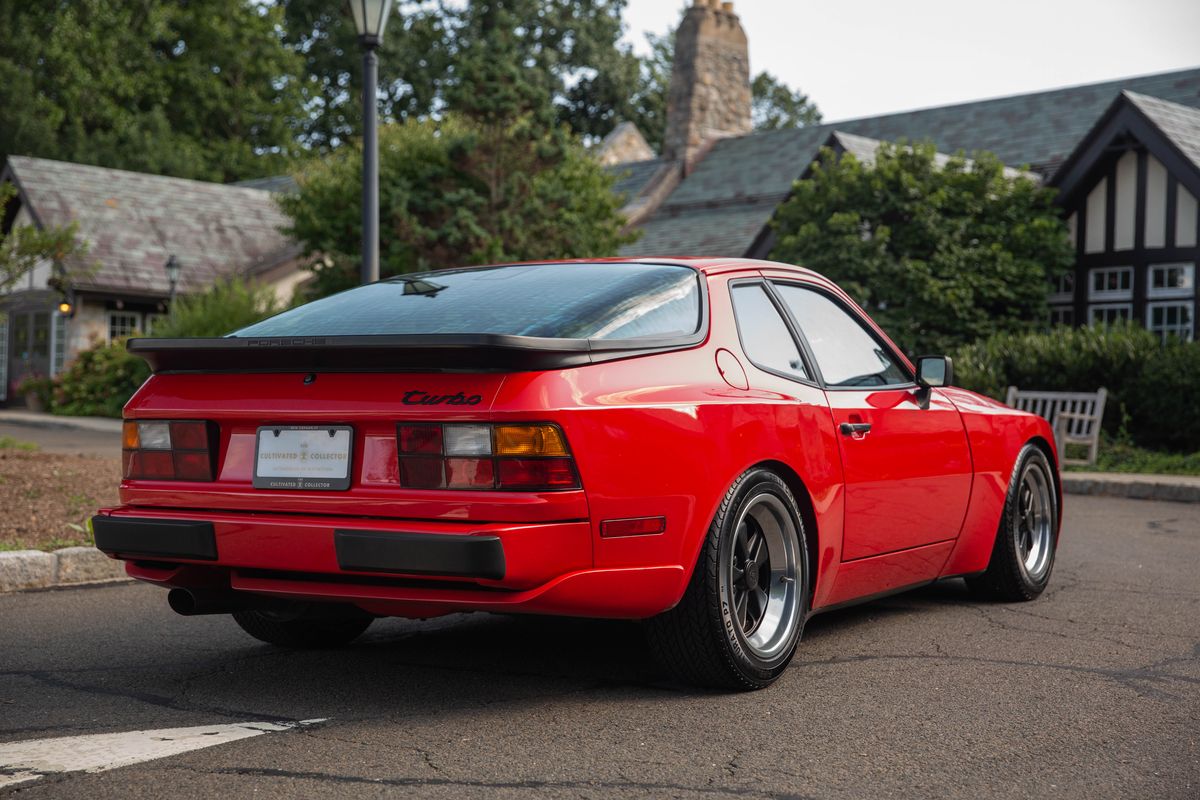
x=854, y=428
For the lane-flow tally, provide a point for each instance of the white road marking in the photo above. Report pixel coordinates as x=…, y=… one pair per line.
x=30, y=760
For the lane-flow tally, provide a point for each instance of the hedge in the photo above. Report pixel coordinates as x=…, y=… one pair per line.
x=1153, y=388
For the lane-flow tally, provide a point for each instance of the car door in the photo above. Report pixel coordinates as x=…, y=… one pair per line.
x=907, y=467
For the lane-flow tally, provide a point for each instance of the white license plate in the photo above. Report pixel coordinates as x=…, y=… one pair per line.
x=303, y=457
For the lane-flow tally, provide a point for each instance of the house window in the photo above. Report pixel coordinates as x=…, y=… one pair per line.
x=1110, y=313
x=60, y=344
x=1062, y=315
x=1111, y=283
x=3, y=356
x=1171, y=280
x=122, y=324
x=1171, y=319
x=1063, y=290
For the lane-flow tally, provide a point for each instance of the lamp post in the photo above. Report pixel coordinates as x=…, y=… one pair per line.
x=370, y=18
x=172, y=267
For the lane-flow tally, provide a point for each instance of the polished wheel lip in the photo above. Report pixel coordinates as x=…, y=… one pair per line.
x=1033, y=522
x=761, y=581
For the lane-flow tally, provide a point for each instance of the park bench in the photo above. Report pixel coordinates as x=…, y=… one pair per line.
x=1074, y=416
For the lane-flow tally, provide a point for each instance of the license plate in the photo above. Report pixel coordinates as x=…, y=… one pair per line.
x=303, y=457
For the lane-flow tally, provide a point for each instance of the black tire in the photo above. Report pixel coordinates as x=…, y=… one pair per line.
x=1017, y=573
x=702, y=640
x=319, y=628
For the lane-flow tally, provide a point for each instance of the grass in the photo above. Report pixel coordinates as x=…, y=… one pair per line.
x=9, y=443
x=1117, y=456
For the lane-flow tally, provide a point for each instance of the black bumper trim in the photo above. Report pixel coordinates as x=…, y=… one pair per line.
x=450, y=555
x=173, y=538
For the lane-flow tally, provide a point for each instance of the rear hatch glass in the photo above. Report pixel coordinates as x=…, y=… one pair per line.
x=608, y=301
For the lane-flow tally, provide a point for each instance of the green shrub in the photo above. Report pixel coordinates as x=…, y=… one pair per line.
x=1163, y=400
x=1063, y=360
x=99, y=381
x=227, y=306
x=1152, y=389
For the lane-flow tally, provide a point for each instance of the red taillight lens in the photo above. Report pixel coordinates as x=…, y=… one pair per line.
x=533, y=473
x=480, y=456
x=162, y=450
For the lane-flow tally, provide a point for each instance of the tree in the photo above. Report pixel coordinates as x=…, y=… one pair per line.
x=775, y=105
x=202, y=89
x=24, y=246
x=940, y=255
x=452, y=193
x=226, y=306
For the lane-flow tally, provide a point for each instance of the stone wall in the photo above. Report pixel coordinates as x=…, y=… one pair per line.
x=709, y=96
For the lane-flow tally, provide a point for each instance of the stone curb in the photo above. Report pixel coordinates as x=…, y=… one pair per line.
x=1139, y=487
x=71, y=566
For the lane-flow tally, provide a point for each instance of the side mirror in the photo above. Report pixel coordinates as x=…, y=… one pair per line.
x=932, y=371
x=935, y=371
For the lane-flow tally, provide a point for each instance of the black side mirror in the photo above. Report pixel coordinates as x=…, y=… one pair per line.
x=932, y=371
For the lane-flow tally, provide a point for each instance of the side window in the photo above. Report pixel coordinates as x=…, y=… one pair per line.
x=846, y=353
x=765, y=336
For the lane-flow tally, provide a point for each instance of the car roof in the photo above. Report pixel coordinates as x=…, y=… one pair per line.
x=709, y=266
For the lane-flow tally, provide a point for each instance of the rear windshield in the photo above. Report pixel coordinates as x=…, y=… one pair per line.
x=571, y=301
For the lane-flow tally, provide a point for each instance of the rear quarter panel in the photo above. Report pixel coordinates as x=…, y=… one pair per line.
x=996, y=434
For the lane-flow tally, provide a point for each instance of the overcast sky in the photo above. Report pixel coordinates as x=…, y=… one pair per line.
x=893, y=55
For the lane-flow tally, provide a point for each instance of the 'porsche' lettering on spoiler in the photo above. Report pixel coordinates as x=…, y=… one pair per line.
x=408, y=352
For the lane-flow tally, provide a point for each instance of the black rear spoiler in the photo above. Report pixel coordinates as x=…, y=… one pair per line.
x=392, y=353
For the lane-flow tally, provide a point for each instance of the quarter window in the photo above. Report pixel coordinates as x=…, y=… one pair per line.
x=1171, y=319
x=765, y=336
x=846, y=353
x=1111, y=283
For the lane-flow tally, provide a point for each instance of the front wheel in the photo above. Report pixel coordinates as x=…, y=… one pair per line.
x=1027, y=539
x=743, y=611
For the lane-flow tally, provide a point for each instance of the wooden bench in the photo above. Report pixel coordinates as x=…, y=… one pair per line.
x=1074, y=416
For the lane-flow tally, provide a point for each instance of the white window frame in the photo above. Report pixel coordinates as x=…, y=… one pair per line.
x=3, y=355
x=1092, y=309
x=1109, y=294
x=1188, y=290
x=108, y=323
x=1063, y=289
x=1190, y=330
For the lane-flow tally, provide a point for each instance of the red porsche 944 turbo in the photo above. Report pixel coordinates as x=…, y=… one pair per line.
x=721, y=447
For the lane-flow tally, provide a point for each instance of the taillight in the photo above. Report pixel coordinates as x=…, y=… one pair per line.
x=167, y=450
x=479, y=456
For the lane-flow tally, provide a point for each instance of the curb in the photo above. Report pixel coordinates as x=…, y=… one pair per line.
x=71, y=566
x=43, y=420
x=1135, y=487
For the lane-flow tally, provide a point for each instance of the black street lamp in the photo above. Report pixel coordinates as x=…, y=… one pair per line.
x=172, y=267
x=370, y=18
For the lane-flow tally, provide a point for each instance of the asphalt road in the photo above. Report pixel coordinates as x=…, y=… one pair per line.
x=68, y=441
x=1093, y=691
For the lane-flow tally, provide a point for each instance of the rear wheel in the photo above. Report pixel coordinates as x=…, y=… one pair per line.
x=1027, y=539
x=316, y=627
x=743, y=611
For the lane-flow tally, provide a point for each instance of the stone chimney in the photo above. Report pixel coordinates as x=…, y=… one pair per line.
x=710, y=82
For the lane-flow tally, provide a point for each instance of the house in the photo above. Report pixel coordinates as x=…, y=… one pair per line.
x=1124, y=156
x=132, y=223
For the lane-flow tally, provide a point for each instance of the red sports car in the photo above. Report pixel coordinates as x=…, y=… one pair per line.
x=721, y=447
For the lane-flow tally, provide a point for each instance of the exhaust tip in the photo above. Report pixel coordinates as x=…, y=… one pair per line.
x=182, y=602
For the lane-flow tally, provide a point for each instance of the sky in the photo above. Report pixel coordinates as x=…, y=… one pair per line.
x=881, y=56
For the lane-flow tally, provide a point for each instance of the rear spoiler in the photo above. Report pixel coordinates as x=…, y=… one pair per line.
x=391, y=353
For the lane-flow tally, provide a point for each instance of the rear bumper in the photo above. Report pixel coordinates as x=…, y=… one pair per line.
x=386, y=566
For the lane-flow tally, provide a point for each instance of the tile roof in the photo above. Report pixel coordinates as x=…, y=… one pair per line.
x=1178, y=123
x=133, y=221
x=756, y=171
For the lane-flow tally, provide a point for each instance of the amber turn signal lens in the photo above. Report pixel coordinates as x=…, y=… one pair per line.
x=129, y=435
x=530, y=440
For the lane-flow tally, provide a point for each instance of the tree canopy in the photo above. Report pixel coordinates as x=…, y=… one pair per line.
x=202, y=90
x=939, y=254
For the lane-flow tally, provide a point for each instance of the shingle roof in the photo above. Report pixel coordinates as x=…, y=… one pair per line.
x=1180, y=124
x=751, y=174
x=632, y=177
x=134, y=221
